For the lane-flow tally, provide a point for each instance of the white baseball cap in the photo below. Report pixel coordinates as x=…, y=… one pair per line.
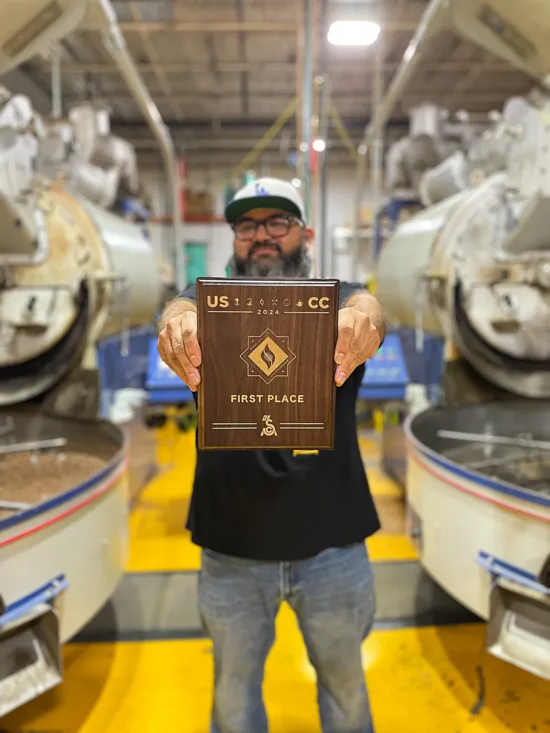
x=265, y=193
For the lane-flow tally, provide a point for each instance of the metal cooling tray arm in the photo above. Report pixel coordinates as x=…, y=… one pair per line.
x=518, y=627
x=30, y=649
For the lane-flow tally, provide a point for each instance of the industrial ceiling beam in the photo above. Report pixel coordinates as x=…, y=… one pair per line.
x=229, y=67
x=255, y=127
x=359, y=96
x=228, y=26
x=235, y=156
x=230, y=145
x=160, y=74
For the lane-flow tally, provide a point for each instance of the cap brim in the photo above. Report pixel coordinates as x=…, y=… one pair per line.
x=239, y=208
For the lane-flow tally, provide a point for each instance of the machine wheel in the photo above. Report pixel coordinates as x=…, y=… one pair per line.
x=155, y=419
x=185, y=422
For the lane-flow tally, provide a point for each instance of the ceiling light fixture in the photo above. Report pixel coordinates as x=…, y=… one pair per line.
x=319, y=145
x=353, y=33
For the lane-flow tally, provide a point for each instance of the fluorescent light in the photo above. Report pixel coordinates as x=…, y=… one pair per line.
x=319, y=145
x=353, y=33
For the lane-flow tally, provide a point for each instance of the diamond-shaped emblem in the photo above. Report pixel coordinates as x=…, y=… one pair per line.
x=268, y=356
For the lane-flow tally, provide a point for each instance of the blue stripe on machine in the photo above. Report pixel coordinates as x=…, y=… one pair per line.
x=485, y=481
x=67, y=496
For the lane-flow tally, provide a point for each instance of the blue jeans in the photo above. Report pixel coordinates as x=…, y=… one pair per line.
x=332, y=595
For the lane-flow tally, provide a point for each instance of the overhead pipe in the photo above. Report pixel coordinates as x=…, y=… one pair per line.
x=322, y=215
x=324, y=240
x=315, y=157
x=307, y=106
x=115, y=44
x=343, y=133
x=377, y=151
x=57, y=104
x=265, y=141
x=431, y=21
x=376, y=166
x=299, y=67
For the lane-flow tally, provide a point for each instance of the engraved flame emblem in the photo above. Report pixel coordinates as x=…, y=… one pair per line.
x=268, y=356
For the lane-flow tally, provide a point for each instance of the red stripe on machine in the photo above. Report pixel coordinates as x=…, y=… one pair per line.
x=491, y=500
x=71, y=510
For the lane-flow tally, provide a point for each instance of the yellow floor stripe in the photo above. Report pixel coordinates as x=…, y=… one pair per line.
x=179, y=554
x=420, y=681
x=381, y=484
x=158, y=538
x=390, y=544
x=390, y=548
x=160, y=542
x=370, y=446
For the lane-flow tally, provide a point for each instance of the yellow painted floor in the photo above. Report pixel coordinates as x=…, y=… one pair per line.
x=421, y=680
x=159, y=542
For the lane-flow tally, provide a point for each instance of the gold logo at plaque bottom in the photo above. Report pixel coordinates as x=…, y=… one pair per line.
x=268, y=356
x=269, y=428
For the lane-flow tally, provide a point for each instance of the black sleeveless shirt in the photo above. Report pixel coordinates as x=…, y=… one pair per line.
x=271, y=505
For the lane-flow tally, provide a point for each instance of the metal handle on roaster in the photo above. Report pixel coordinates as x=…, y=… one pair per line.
x=32, y=445
x=44, y=594
x=499, y=568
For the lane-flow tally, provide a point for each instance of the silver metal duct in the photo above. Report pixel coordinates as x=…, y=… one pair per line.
x=116, y=46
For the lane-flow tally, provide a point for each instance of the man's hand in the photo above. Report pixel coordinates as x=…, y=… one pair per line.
x=358, y=340
x=179, y=349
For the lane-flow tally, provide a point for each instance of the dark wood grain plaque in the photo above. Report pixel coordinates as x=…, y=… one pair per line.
x=267, y=375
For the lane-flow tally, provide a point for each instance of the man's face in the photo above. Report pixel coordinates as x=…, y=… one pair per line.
x=271, y=243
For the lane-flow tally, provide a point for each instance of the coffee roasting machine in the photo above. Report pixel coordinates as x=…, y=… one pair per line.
x=73, y=270
x=473, y=267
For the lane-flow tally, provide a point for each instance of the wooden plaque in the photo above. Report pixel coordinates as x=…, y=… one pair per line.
x=267, y=375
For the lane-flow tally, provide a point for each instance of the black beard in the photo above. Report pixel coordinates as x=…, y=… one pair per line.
x=296, y=264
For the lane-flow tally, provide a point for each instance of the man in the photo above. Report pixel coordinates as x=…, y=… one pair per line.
x=274, y=526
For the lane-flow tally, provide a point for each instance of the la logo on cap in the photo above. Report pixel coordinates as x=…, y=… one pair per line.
x=260, y=190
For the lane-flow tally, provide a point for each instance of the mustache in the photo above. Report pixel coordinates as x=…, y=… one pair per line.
x=292, y=264
x=260, y=245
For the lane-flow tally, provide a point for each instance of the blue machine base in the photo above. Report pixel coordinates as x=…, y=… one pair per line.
x=119, y=369
x=381, y=392
x=162, y=385
x=170, y=396
x=386, y=374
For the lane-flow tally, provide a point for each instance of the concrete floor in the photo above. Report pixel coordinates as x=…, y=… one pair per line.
x=143, y=664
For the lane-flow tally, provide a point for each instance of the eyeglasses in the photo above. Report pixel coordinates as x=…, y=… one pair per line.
x=275, y=226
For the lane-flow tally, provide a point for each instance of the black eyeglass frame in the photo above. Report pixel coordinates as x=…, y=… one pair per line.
x=288, y=219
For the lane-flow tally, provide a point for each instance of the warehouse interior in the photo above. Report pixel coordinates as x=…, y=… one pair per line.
x=417, y=134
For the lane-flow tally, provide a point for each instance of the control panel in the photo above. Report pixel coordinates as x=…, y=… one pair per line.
x=163, y=385
x=386, y=375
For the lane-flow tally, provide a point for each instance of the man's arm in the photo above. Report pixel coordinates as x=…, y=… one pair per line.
x=174, y=309
x=361, y=330
x=177, y=340
x=366, y=303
